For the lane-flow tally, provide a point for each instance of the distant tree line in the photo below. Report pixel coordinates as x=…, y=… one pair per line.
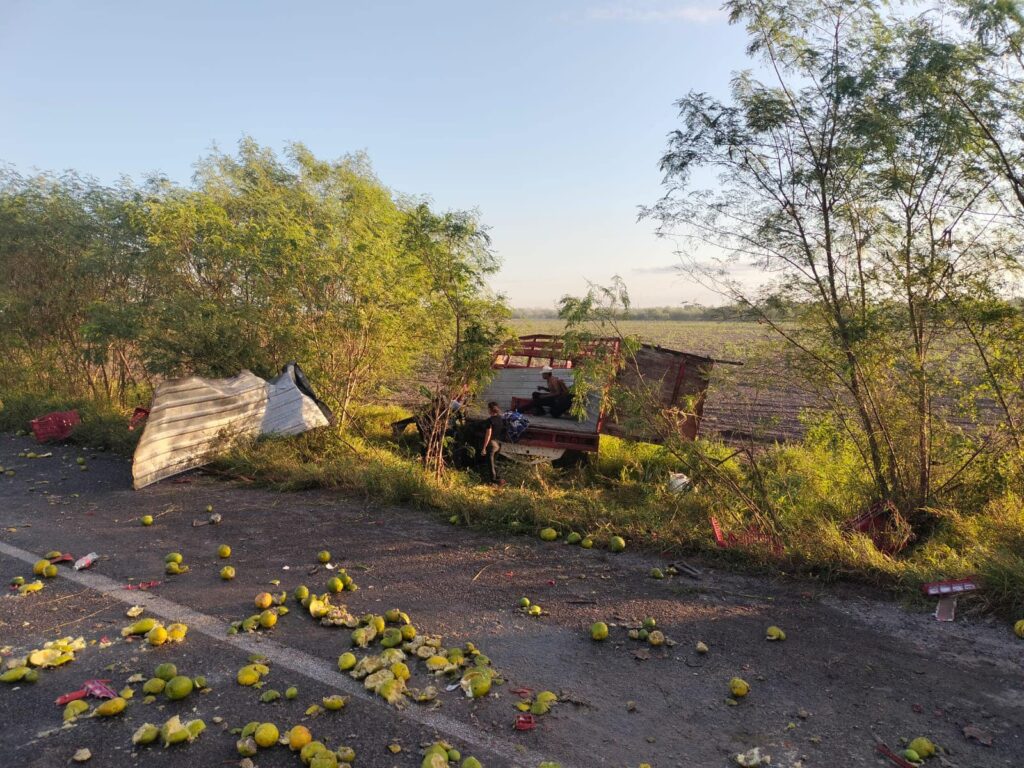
x=689, y=312
x=262, y=259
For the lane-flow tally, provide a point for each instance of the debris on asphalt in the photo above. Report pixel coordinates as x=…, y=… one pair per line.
x=86, y=562
x=752, y=758
x=82, y=755
x=774, y=634
x=973, y=732
x=97, y=689
x=214, y=519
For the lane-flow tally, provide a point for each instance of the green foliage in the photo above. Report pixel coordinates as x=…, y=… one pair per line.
x=264, y=259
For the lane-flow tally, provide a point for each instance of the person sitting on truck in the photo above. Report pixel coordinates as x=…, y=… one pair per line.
x=558, y=399
x=493, y=435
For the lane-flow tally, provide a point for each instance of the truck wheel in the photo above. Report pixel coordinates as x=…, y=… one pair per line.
x=570, y=460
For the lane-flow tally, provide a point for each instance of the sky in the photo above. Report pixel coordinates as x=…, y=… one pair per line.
x=548, y=118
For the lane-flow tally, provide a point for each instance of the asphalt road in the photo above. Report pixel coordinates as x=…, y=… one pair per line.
x=853, y=671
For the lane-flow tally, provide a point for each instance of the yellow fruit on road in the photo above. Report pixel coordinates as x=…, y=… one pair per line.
x=173, y=569
x=311, y=750
x=335, y=585
x=156, y=636
x=111, y=707
x=408, y=632
x=74, y=709
x=650, y=623
x=347, y=661
x=154, y=686
x=524, y=602
x=263, y=600
x=657, y=573
x=223, y=551
x=656, y=638
x=246, y=746
x=291, y=693
x=573, y=538
x=323, y=556
x=176, y=632
x=334, y=703
x=548, y=534
x=1018, y=628
x=50, y=571
x=165, y=671
x=178, y=687
x=471, y=762
x=922, y=746
x=301, y=592
x=147, y=520
x=174, y=557
x=266, y=735
x=39, y=567
x=598, y=631
x=268, y=619
x=535, y=610
x=476, y=682
x=587, y=543
x=912, y=756
x=701, y=647
x=617, y=544
x=774, y=633
x=298, y=737
x=140, y=627
x=738, y=688
x=400, y=670
x=227, y=573
x=146, y=733
x=248, y=676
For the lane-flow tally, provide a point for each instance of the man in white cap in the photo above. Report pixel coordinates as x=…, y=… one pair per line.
x=558, y=399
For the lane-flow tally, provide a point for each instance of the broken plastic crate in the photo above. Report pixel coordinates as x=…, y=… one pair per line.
x=55, y=426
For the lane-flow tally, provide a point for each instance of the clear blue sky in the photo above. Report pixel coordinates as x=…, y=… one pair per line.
x=548, y=117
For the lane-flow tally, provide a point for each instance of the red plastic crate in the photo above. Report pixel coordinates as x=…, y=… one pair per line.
x=55, y=426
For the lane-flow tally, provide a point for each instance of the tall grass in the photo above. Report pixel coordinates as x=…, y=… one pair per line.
x=816, y=486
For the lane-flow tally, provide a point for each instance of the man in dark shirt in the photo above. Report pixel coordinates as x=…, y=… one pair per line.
x=559, y=397
x=494, y=434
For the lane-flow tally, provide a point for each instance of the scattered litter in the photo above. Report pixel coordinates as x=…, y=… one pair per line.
x=884, y=525
x=678, y=482
x=213, y=519
x=142, y=585
x=977, y=734
x=98, y=689
x=85, y=562
x=82, y=755
x=55, y=426
x=525, y=722
x=134, y=612
x=753, y=757
x=945, y=609
x=902, y=762
x=951, y=586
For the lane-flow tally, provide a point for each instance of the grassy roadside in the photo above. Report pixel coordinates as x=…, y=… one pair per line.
x=624, y=492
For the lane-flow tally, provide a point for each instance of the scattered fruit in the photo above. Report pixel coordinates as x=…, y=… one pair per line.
x=1018, y=628
x=335, y=585
x=166, y=671
x=656, y=638
x=227, y=573
x=573, y=538
x=656, y=573
x=39, y=566
x=738, y=687
x=347, y=661
x=617, y=544
x=178, y=687
x=323, y=556
x=268, y=619
x=524, y=602
x=923, y=747
x=111, y=707
x=774, y=633
x=548, y=534
x=266, y=735
x=147, y=520
x=263, y=601
x=50, y=571
x=157, y=635
x=650, y=623
x=534, y=610
x=598, y=631
x=298, y=737
x=701, y=647
x=587, y=543
x=174, y=557
x=291, y=693
x=301, y=592
x=223, y=551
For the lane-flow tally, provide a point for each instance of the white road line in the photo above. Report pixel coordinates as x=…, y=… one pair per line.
x=295, y=660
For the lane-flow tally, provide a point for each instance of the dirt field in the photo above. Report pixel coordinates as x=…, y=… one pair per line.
x=853, y=671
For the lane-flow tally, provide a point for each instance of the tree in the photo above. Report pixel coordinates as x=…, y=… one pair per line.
x=850, y=175
x=463, y=322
